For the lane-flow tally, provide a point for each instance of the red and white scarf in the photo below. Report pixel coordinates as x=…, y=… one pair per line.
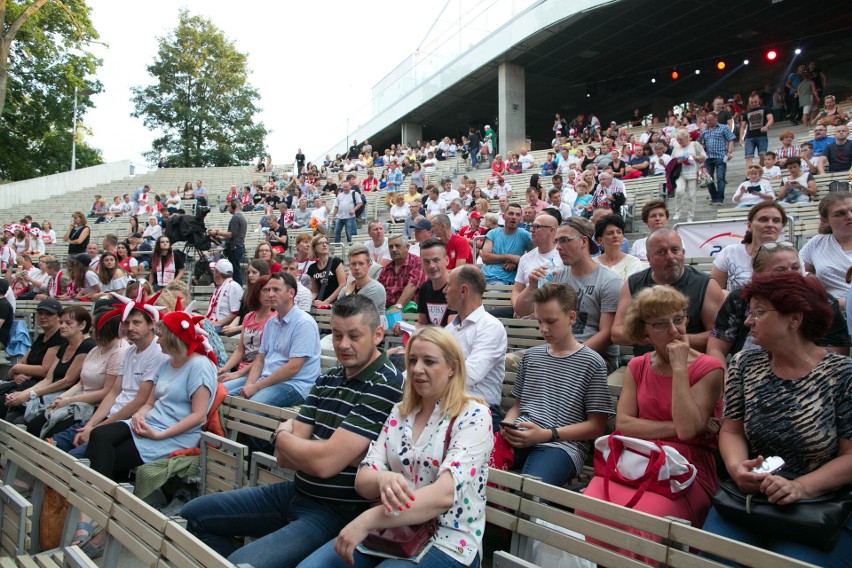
x=214, y=300
x=54, y=285
x=165, y=272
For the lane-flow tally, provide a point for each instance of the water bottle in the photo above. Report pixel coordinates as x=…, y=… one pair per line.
x=551, y=270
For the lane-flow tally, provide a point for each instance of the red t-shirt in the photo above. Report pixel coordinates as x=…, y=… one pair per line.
x=458, y=248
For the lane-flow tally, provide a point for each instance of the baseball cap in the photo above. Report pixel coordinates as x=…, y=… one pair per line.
x=50, y=306
x=423, y=225
x=586, y=229
x=487, y=127
x=223, y=266
x=136, y=235
x=82, y=258
x=500, y=179
x=475, y=215
x=490, y=181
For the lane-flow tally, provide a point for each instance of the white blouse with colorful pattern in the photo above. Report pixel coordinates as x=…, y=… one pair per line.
x=460, y=528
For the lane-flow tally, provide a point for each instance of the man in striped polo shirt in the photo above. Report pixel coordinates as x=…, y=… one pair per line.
x=343, y=413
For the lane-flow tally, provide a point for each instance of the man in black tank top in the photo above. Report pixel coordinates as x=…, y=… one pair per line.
x=665, y=255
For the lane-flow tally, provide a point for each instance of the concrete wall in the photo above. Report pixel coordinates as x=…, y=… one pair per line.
x=27, y=191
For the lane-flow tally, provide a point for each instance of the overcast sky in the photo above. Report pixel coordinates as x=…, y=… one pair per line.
x=314, y=64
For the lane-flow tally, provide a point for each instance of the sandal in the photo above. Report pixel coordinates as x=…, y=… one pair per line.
x=93, y=550
x=89, y=531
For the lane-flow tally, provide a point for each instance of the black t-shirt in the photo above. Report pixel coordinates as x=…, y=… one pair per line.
x=281, y=232
x=839, y=156
x=39, y=348
x=257, y=197
x=325, y=278
x=62, y=368
x=723, y=116
x=755, y=119
x=433, y=303
x=300, y=160
x=75, y=234
x=273, y=201
x=7, y=314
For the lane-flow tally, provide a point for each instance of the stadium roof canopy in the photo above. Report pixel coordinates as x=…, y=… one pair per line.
x=611, y=50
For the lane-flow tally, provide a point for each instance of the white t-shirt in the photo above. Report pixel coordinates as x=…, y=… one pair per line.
x=435, y=207
x=639, y=250
x=747, y=198
x=771, y=173
x=345, y=204
x=501, y=190
x=448, y=196
x=659, y=163
x=458, y=220
x=830, y=261
x=526, y=161
x=378, y=253
x=430, y=165
x=534, y=259
x=736, y=262
x=135, y=369
x=320, y=214
x=225, y=300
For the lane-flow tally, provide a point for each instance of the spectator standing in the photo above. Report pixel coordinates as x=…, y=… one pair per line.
x=718, y=141
x=754, y=129
x=690, y=154
x=346, y=206
x=394, y=181
x=234, y=239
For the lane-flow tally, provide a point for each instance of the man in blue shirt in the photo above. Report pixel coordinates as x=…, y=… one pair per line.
x=821, y=140
x=200, y=193
x=504, y=248
x=288, y=363
x=718, y=142
x=394, y=182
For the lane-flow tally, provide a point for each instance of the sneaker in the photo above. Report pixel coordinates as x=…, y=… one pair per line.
x=689, y=219
x=676, y=217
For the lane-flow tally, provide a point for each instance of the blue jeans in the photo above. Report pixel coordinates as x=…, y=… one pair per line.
x=759, y=143
x=350, y=226
x=64, y=440
x=552, y=465
x=280, y=395
x=719, y=168
x=325, y=557
x=288, y=525
x=235, y=255
x=839, y=556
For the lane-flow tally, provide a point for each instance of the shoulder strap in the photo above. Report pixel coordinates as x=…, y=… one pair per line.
x=447, y=437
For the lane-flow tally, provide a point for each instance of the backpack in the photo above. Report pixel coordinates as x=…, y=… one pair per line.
x=360, y=212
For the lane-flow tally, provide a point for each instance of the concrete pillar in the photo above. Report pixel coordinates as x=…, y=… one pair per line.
x=411, y=132
x=511, y=108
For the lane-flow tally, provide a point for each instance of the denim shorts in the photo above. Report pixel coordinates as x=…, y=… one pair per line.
x=761, y=144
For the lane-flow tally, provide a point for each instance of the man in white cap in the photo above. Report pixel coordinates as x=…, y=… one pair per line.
x=225, y=301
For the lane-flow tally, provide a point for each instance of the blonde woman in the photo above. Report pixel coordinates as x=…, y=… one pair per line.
x=408, y=470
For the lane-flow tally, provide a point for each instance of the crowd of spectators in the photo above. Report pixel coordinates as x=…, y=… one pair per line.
x=562, y=254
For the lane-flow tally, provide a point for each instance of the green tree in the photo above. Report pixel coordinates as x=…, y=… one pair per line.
x=201, y=103
x=43, y=58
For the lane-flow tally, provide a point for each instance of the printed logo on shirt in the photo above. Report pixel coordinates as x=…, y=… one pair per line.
x=436, y=312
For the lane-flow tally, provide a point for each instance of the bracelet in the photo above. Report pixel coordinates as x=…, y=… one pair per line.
x=555, y=435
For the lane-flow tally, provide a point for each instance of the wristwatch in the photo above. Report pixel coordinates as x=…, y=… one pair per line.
x=398, y=306
x=554, y=435
x=274, y=437
x=33, y=395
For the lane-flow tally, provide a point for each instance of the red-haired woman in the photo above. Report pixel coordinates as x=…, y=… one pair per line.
x=262, y=308
x=807, y=419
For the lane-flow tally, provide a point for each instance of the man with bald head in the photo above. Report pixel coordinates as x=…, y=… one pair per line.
x=665, y=255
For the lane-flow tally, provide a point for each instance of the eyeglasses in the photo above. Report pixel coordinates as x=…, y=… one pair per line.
x=322, y=243
x=566, y=240
x=757, y=314
x=664, y=325
x=538, y=227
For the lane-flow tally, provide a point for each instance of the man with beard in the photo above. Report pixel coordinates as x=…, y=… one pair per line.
x=665, y=255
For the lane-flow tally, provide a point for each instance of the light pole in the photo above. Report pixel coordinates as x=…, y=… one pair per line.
x=85, y=93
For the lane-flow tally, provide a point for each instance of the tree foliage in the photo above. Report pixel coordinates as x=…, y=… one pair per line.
x=41, y=63
x=201, y=102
